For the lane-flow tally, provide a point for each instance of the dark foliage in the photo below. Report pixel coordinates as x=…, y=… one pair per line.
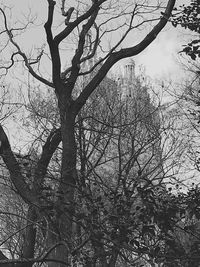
x=188, y=17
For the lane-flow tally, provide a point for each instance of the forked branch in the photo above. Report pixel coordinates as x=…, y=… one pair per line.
x=22, y=54
x=14, y=169
x=124, y=53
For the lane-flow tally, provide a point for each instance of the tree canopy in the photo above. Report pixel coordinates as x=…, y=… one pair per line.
x=188, y=18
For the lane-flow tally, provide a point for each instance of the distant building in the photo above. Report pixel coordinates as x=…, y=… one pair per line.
x=127, y=80
x=147, y=121
x=130, y=85
x=131, y=95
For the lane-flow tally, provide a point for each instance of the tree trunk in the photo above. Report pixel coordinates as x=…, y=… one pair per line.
x=65, y=204
x=29, y=244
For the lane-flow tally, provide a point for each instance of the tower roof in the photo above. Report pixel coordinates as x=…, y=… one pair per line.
x=129, y=61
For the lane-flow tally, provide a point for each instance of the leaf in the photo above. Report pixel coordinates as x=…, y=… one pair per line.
x=144, y=250
x=195, y=48
x=187, y=49
x=195, y=41
x=174, y=23
x=148, y=229
x=135, y=242
x=193, y=56
x=156, y=250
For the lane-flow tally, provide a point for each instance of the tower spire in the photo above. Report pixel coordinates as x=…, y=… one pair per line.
x=129, y=72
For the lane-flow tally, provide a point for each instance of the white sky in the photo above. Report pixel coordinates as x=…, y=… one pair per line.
x=159, y=59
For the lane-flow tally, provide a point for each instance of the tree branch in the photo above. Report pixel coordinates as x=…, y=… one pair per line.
x=2, y=256
x=49, y=148
x=22, y=54
x=89, y=56
x=53, y=47
x=72, y=25
x=14, y=169
x=49, y=22
x=123, y=53
x=79, y=52
x=12, y=263
x=94, y=49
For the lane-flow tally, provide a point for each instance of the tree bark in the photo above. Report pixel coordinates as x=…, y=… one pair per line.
x=64, y=207
x=29, y=244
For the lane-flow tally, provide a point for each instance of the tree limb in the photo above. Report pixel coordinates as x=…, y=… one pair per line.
x=22, y=54
x=14, y=169
x=124, y=53
x=2, y=256
x=72, y=25
x=49, y=148
x=87, y=57
x=79, y=52
x=54, y=51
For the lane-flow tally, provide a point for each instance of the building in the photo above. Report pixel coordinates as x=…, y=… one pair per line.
x=145, y=119
x=127, y=80
x=120, y=157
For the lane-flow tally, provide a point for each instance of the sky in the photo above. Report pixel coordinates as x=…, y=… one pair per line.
x=160, y=59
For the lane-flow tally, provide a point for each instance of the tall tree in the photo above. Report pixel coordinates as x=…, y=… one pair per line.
x=120, y=168
x=88, y=25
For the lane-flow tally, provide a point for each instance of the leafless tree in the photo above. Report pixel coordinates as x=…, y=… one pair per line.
x=87, y=26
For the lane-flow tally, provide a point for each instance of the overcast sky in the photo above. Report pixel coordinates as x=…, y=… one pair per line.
x=160, y=58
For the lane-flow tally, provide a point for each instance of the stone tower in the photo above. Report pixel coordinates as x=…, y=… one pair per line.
x=127, y=80
x=129, y=70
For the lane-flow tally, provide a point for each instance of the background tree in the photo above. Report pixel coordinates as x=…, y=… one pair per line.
x=120, y=171
x=188, y=18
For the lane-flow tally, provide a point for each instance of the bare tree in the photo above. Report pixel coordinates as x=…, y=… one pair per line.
x=120, y=161
x=88, y=25
x=118, y=154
